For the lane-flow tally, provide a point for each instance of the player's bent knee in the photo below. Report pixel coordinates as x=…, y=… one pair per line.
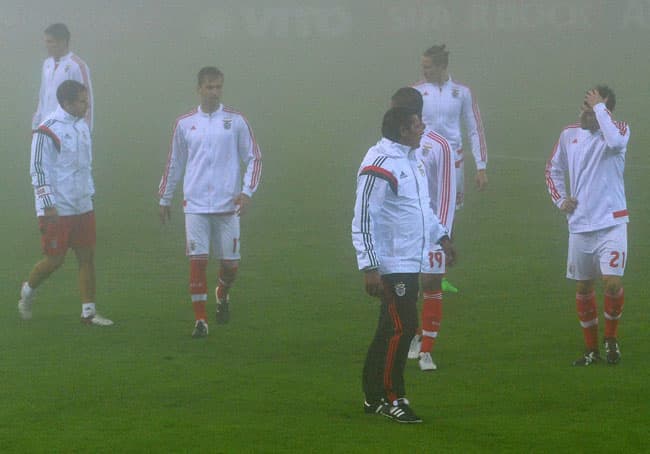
x=613, y=285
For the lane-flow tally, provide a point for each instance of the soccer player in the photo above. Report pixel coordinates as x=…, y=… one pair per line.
x=435, y=153
x=211, y=147
x=61, y=170
x=60, y=65
x=391, y=226
x=591, y=154
x=448, y=105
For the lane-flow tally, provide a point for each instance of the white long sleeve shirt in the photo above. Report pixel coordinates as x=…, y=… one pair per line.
x=437, y=156
x=393, y=221
x=61, y=165
x=217, y=157
x=446, y=108
x=68, y=67
x=595, y=164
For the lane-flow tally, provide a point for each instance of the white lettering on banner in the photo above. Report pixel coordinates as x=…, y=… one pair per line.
x=637, y=14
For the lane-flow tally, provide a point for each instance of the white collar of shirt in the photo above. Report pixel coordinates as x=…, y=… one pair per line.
x=205, y=114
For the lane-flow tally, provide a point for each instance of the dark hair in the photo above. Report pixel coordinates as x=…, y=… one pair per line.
x=395, y=119
x=608, y=94
x=208, y=72
x=59, y=32
x=69, y=91
x=439, y=55
x=408, y=97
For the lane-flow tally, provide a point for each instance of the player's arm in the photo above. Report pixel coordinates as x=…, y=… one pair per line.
x=556, y=172
x=176, y=161
x=474, y=125
x=446, y=185
x=44, y=153
x=372, y=186
x=251, y=157
x=37, y=118
x=616, y=133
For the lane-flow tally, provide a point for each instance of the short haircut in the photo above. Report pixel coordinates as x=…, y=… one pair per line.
x=408, y=97
x=69, y=91
x=439, y=55
x=608, y=94
x=59, y=32
x=395, y=119
x=208, y=72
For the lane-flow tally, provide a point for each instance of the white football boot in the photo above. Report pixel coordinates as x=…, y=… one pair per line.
x=426, y=362
x=414, y=349
x=25, y=302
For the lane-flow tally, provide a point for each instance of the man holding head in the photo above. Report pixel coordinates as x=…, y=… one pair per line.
x=391, y=228
x=61, y=170
x=61, y=64
x=591, y=154
x=214, y=151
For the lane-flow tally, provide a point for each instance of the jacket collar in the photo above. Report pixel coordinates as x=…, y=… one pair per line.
x=64, y=117
x=207, y=115
x=394, y=149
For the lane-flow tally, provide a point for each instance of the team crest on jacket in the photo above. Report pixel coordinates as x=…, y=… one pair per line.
x=426, y=149
x=455, y=92
x=227, y=123
x=400, y=289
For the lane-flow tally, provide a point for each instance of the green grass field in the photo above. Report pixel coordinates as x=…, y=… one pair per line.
x=284, y=375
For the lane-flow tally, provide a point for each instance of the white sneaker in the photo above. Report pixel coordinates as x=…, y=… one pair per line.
x=426, y=362
x=414, y=349
x=96, y=320
x=25, y=303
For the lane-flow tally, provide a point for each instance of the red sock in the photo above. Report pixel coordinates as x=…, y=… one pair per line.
x=613, y=312
x=199, y=285
x=588, y=316
x=431, y=318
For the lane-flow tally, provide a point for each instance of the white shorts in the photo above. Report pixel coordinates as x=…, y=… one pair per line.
x=433, y=260
x=599, y=253
x=212, y=233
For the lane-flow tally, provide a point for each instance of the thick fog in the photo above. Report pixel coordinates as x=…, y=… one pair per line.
x=313, y=77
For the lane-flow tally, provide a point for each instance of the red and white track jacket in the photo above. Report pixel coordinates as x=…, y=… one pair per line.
x=445, y=107
x=210, y=152
x=61, y=165
x=437, y=156
x=595, y=163
x=68, y=67
x=393, y=222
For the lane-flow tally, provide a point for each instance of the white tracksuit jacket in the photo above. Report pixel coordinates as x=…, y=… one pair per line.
x=445, y=108
x=393, y=221
x=61, y=165
x=210, y=152
x=595, y=163
x=437, y=156
x=68, y=67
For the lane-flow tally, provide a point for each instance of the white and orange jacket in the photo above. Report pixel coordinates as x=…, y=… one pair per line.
x=393, y=221
x=437, y=156
x=595, y=163
x=68, y=67
x=61, y=165
x=218, y=158
x=445, y=107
